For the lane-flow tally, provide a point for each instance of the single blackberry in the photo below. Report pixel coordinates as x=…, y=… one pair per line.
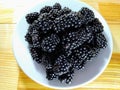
x=28, y=38
x=44, y=25
x=75, y=39
x=49, y=43
x=36, y=54
x=88, y=14
x=57, y=6
x=80, y=55
x=50, y=74
x=101, y=41
x=67, y=21
x=61, y=65
x=45, y=9
x=31, y=17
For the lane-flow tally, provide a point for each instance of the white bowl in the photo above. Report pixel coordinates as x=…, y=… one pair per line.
x=37, y=72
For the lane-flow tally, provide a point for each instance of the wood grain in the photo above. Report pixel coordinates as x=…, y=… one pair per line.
x=12, y=78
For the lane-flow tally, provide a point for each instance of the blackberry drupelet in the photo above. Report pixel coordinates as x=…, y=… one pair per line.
x=49, y=43
x=31, y=17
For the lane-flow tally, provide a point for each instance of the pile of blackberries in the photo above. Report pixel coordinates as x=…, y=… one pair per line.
x=64, y=40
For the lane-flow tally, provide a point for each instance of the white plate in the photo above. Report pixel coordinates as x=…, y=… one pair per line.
x=37, y=72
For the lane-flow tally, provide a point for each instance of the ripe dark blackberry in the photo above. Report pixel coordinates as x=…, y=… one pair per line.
x=75, y=39
x=88, y=15
x=81, y=55
x=28, y=38
x=101, y=41
x=44, y=25
x=36, y=54
x=49, y=43
x=61, y=65
x=50, y=74
x=31, y=17
x=57, y=6
x=45, y=9
x=67, y=21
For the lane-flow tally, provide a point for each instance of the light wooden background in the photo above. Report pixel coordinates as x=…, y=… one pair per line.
x=12, y=78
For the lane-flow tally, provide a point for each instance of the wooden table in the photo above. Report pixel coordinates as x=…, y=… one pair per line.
x=12, y=78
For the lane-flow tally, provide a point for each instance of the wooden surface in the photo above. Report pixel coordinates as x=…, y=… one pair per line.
x=12, y=78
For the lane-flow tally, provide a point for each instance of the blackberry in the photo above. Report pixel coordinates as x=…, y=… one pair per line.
x=49, y=43
x=57, y=6
x=36, y=54
x=43, y=25
x=28, y=38
x=66, y=21
x=45, y=9
x=31, y=17
x=101, y=41
x=50, y=74
x=61, y=65
x=88, y=15
x=75, y=39
x=81, y=55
